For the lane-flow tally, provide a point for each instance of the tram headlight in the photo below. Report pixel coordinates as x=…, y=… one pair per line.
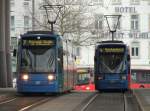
x=51, y=77
x=100, y=78
x=25, y=77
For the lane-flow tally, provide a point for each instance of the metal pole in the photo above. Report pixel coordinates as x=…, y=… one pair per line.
x=52, y=28
x=7, y=43
x=3, y=70
x=33, y=15
x=112, y=32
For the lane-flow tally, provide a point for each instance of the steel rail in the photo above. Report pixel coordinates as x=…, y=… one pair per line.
x=90, y=101
x=94, y=97
x=7, y=101
x=34, y=104
x=125, y=102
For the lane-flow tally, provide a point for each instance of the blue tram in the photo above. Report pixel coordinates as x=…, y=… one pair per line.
x=112, y=66
x=45, y=63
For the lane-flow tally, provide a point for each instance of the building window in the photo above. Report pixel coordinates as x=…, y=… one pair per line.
x=13, y=43
x=26, y=23
x=134, y=22
x=45, y=19
x=12, y=23
x=12, y=3
x=45, y=22
x=149, y=50
x=26, y=5
x=116, y=2
x=149, y=22
x=78, y=51
x=99, y=21
x=135, y=2
x=135, y=49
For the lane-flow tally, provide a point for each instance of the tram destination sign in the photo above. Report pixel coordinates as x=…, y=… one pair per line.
x=36, y=42
x=112, y=50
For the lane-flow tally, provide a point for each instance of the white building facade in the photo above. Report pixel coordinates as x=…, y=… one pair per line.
x=21, y=13
x=133, y=29
x=19, y=22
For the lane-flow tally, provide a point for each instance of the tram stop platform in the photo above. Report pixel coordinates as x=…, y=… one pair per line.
x=9, y=91
x=143, y=98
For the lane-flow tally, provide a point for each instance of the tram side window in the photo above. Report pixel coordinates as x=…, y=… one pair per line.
x=133, y=76
x=60, y=60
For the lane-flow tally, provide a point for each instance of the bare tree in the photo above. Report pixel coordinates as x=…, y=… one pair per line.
x=72, y=20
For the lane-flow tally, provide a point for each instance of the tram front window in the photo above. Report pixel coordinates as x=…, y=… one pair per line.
x=38, y=59
x=112, y=63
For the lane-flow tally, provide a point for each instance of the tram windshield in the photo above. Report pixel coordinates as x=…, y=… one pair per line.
x=38, y=58
x=112, y=60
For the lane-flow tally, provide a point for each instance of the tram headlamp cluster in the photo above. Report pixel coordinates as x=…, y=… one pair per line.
x=123, y=77
x=25, y=77
x=100, y=78
x=51, y=77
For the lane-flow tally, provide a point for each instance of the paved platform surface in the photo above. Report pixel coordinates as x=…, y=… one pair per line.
x=8, y=91
x=68, y=102
x=143, y=98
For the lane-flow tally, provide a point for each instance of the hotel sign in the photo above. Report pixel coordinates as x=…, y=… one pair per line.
x=144, y=35
x=125, y=10
x=132, y=35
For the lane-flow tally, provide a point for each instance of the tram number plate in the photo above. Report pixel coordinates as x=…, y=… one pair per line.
x=37, y=82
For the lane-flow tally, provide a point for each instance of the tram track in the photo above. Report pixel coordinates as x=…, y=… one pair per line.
x=24, y=103
x=125, y=102
x=106, y=102
x=7, y=101
x=34, y=104
x=6, y=98
x=90, y=101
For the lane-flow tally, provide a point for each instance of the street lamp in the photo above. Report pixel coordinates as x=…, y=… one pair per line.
x=52, y=12
x=112, y=22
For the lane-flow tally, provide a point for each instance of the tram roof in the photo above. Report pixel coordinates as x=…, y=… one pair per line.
x=110, y=42
x=43, y=33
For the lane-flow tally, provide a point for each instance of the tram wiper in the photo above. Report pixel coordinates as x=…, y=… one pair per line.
x=51, y=60
x=30, y=63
